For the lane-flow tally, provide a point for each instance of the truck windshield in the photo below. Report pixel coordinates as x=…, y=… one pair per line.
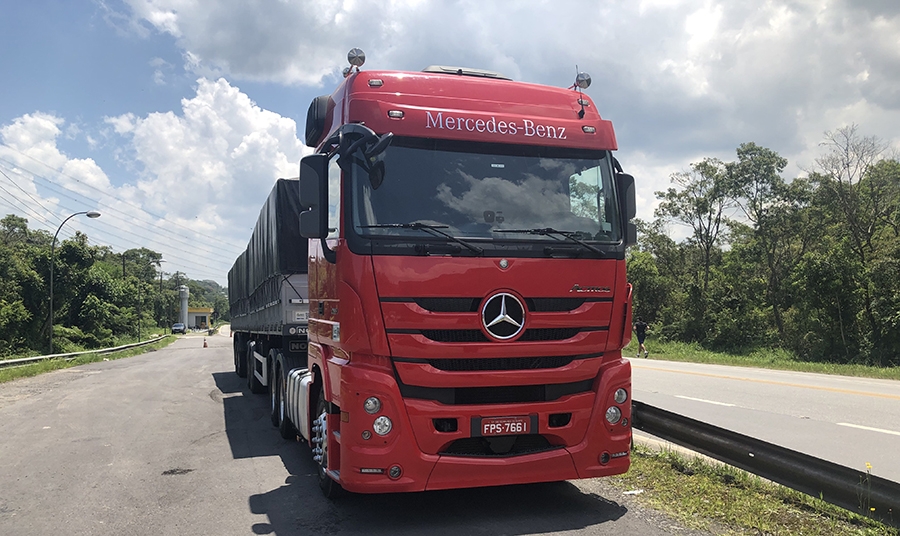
x=476, y=191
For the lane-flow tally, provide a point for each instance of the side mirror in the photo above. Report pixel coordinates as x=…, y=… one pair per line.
x=314, y=196
x=627, y=206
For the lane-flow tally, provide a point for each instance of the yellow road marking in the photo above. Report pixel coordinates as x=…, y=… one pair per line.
x=772, y=382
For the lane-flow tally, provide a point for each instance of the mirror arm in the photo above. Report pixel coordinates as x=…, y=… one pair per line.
x=329, y=254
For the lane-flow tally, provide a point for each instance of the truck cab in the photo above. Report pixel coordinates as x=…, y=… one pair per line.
x=468, y=300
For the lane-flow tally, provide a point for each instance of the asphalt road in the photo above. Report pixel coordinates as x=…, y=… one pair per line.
x=171, y=442
x=848, y=421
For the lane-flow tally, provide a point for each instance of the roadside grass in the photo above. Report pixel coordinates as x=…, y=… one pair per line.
x=760, y=358
x=706, y=495
x=25, y=371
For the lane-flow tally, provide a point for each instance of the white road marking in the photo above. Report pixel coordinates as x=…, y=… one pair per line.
x=707, y=401
x=869, y=428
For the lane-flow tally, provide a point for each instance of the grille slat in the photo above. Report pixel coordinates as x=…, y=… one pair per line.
x=553, y=305
x=470, y=305
x=506, y=394
x=449, y=305
x=475, y=335
x=504, y=363
x=482, y=447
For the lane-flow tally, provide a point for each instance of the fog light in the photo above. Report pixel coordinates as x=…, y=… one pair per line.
x=613, y=414
x=383, y=425
x=621, y=395
x=366, y=435
x=395, y=472
x=604, y=458
x=372, y=405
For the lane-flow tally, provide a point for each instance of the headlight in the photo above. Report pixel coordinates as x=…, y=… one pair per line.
x=613, y=414
x=382, y=425
x=372, y=405
x=621, y=396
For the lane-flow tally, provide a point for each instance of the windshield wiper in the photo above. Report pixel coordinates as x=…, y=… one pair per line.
x=433, y=229
x=549, y=231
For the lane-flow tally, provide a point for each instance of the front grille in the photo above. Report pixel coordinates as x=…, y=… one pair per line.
x=503, y=363
x=507, y=394
x=498, y=446
x=476, y=335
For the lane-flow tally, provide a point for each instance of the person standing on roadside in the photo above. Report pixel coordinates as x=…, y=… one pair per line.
x=640, y=329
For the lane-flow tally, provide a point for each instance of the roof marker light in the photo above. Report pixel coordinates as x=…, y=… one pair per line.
x=395, y=114
x=588, y=129
x=584, y=102
x=376, y=82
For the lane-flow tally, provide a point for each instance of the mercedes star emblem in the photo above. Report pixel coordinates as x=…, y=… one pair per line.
x=503, y=316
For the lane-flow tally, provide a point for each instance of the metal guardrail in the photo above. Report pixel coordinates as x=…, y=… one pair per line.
x=853, y=490
x=72, y=355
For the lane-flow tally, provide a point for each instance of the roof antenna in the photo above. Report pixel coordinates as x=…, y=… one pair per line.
x=582, y=82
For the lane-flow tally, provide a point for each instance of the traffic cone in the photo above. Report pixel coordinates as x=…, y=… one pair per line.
x=204, y=342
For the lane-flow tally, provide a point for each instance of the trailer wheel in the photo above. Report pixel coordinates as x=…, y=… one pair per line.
x=329, y=487
x=255, y=386
x=275, y=387
x=240, y=356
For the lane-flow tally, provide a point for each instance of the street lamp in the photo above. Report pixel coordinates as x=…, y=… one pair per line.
x=89, y=214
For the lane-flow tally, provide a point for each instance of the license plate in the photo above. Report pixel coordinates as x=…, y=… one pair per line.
x=494, y=426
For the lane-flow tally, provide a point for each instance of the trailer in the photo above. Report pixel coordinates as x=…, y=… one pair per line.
x=268, y=296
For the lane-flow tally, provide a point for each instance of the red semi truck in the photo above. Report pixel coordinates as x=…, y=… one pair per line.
x=467, y=295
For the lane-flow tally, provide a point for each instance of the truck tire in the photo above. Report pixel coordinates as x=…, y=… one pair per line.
x=240, y=356
x=275, y=373
x=285, y=426
x=329, y=487
x=252, y=383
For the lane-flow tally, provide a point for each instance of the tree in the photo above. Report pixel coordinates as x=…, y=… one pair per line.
x=860, y=195
x=700, y=203
x=775, y=210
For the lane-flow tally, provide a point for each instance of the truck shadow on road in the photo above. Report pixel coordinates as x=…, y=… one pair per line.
x=298, y=507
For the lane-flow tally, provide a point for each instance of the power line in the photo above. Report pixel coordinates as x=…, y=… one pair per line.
x=16, y=184
x=128, y=218
x=102, y=192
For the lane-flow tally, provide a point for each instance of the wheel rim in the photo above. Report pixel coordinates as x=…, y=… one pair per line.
x=320, y=442
x=281, y=389
x=273, y=391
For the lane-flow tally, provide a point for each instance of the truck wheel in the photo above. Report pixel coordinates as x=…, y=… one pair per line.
x=275, y=374
x=255, y=386
x=286, y=427
x=329, y=487
x=240, y=356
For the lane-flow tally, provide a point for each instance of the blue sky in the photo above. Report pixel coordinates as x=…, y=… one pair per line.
x=174, y=117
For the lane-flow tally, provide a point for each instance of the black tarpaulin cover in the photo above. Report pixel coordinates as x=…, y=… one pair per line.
x=276, y=247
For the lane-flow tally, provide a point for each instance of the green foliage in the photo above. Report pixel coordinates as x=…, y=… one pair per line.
x=100, y=298
x=810, y=265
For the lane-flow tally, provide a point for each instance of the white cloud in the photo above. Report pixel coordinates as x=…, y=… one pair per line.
x=211, y=166
x=680, y=79
x=202, y=172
